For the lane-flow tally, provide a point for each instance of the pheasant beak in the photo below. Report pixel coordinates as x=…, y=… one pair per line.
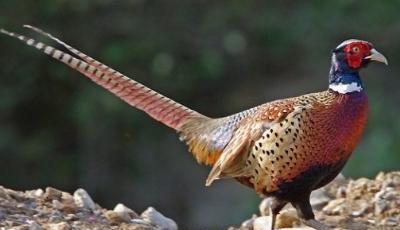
x=376, y=56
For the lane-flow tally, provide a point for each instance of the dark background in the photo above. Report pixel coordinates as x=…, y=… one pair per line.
x=218, y=57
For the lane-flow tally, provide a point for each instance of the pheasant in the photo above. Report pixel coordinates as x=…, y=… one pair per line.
x=282, y=149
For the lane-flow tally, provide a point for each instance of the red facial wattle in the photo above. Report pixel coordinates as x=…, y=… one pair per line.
x=355, y=53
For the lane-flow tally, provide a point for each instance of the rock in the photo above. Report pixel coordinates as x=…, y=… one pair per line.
x=385, y=197
x=381, y=204
x=357, y=188
x=298, y=228
x=70, y=217
x=17, y=196
x=341, y=192
x=340, y=178
x=55, y=218
x=152, y=216
x=380, y=177
x=356, y=204
x=37, y=193
x=116, y=218
x=125, y=212
x=233, y=228
x=319, y=198
x=140, y=222
x=59, y=226
x=68, y=202
x=286, y=219
x=363, y=207
x=3, y=193
x=21, y=227
x=391, y=221
x=57, y=204
x=83, y=200
x=264, y=206
x=334, y=220
x=136, y=227
x=335, y=207
x=34, y=226
x=355, y=225
x=52, y=194
x=2, y=215
x=248, y=224
x=262, y=223
x=63, y=202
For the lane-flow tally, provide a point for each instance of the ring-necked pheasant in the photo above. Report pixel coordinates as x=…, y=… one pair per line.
x=283, y=149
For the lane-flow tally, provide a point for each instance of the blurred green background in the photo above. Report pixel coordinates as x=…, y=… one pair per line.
x=218, y=57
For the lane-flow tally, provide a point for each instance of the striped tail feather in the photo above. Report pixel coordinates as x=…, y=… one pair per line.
x=134, y=93
x=78, y=53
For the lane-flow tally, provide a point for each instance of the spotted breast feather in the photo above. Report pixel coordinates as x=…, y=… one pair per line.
x=285, y=138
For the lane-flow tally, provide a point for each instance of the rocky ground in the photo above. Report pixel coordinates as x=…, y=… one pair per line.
x=344, y=204
x=57, y=210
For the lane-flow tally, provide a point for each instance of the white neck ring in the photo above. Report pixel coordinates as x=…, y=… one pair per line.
x=346, y=88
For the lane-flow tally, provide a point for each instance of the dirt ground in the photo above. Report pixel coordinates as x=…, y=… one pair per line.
x=344, y=204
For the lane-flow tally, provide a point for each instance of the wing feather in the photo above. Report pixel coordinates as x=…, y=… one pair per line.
x=232, y=161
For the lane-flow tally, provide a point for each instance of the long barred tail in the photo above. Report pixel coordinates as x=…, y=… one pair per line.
x=156, y=105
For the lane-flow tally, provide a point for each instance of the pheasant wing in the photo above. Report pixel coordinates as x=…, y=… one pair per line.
x=232, y=162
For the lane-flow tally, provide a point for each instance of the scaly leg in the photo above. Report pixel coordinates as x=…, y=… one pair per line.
x=274, y=209
x=273, y=218
x=305, y=213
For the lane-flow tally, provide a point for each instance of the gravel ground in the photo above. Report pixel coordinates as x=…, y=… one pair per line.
x=57, y=210
x=344, y=204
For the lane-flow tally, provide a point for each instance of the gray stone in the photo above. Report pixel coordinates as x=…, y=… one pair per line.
x=116, y=218
x=335, y=207
x=262, y=223
x=298, y=228
x=2, y=215
x=37, y=193
x=152, y=216
x=363, y=207
x=264, y=206
x=34, y=226
x=57, y=205
x=125, y=212
x=286, y=218
x=3, y=193
x=140, y=222
x=319, y=198
x=55, y=216
x=248, y=224
x=52, y=194
x=382, y=199
x=341, y=192
x=83, y=200
x=59, y=226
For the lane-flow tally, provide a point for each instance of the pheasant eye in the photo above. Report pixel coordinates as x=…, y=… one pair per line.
x=355, y=49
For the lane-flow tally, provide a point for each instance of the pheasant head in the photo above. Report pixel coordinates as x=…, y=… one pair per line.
x=347, y=60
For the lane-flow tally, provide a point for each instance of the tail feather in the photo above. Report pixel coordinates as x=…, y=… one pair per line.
x=205, y=137
x=81, y=55
x=156, y=105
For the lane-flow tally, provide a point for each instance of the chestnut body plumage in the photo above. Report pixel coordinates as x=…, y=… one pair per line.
x=283, y=149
